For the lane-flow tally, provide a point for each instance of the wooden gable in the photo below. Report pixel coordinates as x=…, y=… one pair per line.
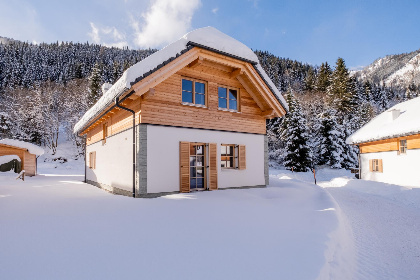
x=157, y=97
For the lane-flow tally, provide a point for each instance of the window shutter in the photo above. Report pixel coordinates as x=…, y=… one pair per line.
x=242, y=157
x=371, y=165
x=184, y=163
x=380, y=166
x=92, y=158
x=213, y=166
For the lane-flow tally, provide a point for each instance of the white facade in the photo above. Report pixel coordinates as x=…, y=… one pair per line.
x=114, y=161
x=163, y=157
x=403, y=169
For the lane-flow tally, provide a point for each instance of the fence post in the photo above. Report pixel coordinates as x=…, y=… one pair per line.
x=313, y=170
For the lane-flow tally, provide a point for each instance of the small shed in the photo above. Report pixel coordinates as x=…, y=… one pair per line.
x=27, y=152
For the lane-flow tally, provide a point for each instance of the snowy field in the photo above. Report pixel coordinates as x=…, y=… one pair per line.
x=53, y=226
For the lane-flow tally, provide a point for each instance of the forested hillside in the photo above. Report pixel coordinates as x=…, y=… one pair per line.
x=46, y=88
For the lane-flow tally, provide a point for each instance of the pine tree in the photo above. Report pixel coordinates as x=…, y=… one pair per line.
x=331, y=139
x=324, y=76
x=340, y=90
x=95, y=84
x=295, y=137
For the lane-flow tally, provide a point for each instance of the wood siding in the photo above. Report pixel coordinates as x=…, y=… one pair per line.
x=162, y=105
x=413, y=142
x=165, y=106
x=28, y=160
x=116, y=121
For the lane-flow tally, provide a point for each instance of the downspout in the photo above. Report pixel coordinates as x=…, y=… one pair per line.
x=134, y=142
x=85, y=158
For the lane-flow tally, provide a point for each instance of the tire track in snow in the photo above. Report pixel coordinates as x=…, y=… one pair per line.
x=386, y=235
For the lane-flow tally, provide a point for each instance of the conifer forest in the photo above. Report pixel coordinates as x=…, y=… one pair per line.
x=46, y=88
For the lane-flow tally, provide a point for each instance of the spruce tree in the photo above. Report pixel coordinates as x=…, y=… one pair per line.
x=295, y=137
x=95, y=84
x=324, y=76
x=339, y=91
x=331, y=140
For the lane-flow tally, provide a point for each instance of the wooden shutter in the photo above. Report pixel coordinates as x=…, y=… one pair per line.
x=213, y=166
x=184, y=163
x=380, y=165
x=371, y=165
x=242, y=157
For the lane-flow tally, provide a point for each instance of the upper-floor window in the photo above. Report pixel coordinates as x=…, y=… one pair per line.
x=228, y=98
x=194, y=92
x=403, y=146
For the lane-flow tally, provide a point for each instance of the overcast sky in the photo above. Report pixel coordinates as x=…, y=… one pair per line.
x=309, y=31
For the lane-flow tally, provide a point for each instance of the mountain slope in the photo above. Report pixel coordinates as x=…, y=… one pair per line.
x=399, y=70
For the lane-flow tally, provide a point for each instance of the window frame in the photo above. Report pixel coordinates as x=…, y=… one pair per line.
x=227, y=99
x=402, y=149
x=193, y=92
x=92, y=160
x=234, y=146
x=375, y=165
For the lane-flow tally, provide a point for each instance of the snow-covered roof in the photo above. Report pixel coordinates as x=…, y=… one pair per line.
x=33, y=149
x=8, y=158
x=401, y=120
x=207, y=37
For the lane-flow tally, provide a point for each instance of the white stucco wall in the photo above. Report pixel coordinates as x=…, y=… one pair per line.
x=114, y=161
x=163, y=157
x=402, y=170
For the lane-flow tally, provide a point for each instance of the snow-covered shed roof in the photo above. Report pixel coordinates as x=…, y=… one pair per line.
x=207, y=37
x=401, y=120
x=33, y=149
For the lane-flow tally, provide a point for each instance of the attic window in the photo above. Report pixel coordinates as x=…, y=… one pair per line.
x=228, y=98
x=193, y=92
x=403, y=146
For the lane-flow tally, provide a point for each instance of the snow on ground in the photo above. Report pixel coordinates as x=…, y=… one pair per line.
x=385, y=220
x=57, y=227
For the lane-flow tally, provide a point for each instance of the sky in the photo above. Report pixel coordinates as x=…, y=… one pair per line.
x=313, y=32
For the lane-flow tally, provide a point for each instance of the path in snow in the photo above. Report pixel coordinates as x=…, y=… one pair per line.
x=385, y=220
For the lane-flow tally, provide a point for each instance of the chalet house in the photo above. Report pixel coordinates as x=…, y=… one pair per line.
x=390, y=145
x=189, y=117
x=27, y=153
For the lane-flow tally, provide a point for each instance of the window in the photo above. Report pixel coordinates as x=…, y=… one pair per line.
x=193, y=92
x=376, y=165
x=92, y=160
x=233, y=156
x=228, y=98
x=403, y=146
x=228, y=156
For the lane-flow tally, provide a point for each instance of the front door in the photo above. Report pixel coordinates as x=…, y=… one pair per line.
x=197, y=166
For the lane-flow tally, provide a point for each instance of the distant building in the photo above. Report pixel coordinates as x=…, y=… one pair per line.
x=27, y=153
x=390, y=145
x=195, y=113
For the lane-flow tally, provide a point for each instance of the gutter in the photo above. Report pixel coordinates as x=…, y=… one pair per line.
x=117, y=104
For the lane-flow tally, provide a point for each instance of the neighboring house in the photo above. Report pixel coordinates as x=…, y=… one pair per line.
x=27, y=153
x=199, y=108
x=390, y=145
